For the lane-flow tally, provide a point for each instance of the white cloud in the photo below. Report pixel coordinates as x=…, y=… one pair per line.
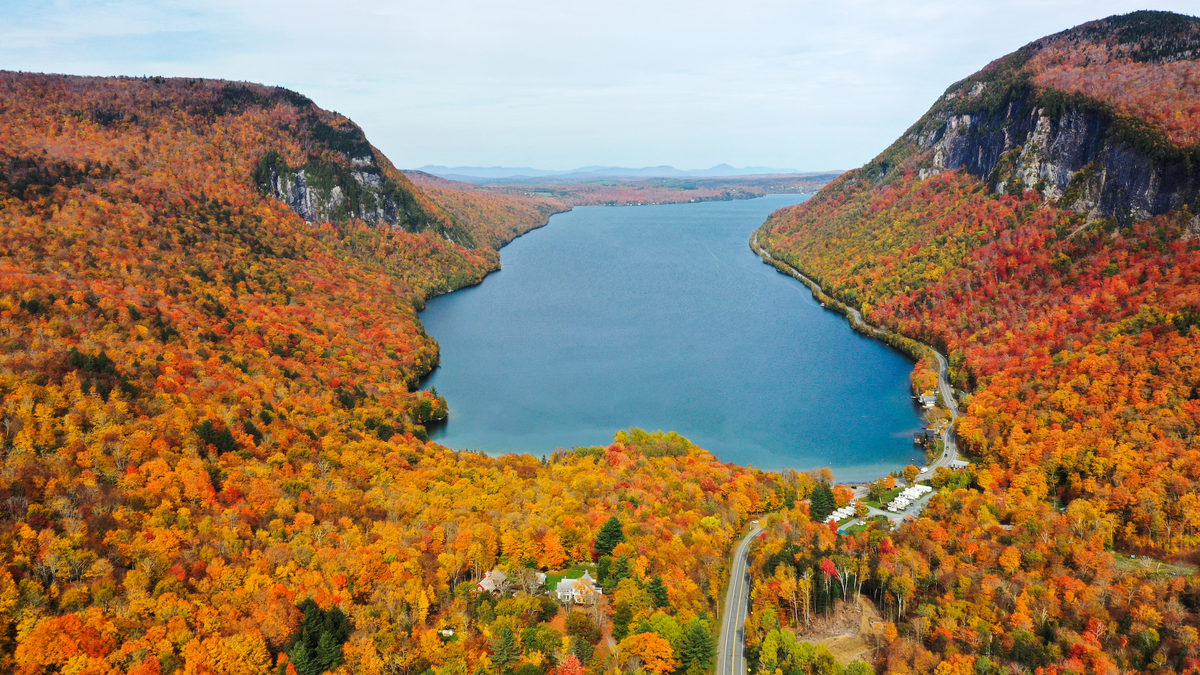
x=563, y=83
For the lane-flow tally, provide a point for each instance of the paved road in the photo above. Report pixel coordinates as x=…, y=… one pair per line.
x=951, y=452
x=731, y=659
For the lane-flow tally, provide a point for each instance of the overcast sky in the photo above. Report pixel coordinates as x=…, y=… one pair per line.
x=559, y=84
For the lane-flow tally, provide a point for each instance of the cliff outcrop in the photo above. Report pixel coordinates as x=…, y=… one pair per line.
x=1038, y=119
x=1039, y=225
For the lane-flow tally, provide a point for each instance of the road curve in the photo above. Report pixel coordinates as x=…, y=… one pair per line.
x=731, y=659
x=856, y=319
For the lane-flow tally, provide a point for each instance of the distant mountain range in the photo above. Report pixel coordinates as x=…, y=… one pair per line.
x=468, y=173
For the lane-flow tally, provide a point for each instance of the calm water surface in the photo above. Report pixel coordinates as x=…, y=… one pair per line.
x=661, y=317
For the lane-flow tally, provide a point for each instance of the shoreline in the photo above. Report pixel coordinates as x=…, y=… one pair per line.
x=907, y=345
x=911, y=348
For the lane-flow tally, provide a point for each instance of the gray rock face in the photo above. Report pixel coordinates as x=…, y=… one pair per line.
x=323, y=190
x=318, y=201
x=1071, y=155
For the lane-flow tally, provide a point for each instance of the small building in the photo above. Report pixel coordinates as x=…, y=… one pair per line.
x=925, y=437
x=494, y=582
x=576, y=590
x=928, y=399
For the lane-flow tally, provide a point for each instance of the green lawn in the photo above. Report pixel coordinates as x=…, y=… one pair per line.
x=572, y=572
x=887, y=497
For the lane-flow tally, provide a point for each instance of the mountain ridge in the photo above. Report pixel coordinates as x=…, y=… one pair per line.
x=1038, y=225
x=471, y=174
x=1031, y=120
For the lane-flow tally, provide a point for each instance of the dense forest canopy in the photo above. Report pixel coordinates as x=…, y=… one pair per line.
x=1069, y=318
x=213, y=455
x=213, y=448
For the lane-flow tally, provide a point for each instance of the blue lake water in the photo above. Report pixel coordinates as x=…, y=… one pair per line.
x=661, y=317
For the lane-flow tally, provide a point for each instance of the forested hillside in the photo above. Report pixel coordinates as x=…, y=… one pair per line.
x=212, y=448
x=1037, y=225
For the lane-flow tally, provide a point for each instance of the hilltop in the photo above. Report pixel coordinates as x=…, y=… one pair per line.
x=1038, y=225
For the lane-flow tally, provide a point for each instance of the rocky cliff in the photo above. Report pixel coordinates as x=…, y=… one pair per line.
x=1038, y=225
x=343, y=177
x=1044, y=118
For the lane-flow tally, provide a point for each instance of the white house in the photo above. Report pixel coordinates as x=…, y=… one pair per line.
x=576, y=590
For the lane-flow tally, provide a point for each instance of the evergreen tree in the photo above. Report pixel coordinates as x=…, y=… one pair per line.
x=329, y=652
x=657, y=591
x=312, y=625
x=609, y=536
x=602, y=568
x=699, y=649
x=621, y=569
x=621, y=618
x=317, y=644
x=505, y=650
x=338, y=624
x=304, y=663
x=580, y=648
x=821, y=502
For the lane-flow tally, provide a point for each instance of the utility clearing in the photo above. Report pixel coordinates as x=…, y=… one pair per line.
x=848, y=631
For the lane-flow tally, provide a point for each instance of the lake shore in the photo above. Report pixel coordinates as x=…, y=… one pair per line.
x=912, y=348
x=644, y=317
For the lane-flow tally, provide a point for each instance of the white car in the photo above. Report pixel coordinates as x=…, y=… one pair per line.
x=924, y=469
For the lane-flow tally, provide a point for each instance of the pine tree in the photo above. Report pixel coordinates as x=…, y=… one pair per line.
x=580, y=648
x=303, y=661
x=821, y=502
x=329, y=652
x=657, y=591
x=621, y=618
x=699, y=650
x=313, y=624
x=505, y=650
x=621, y=569
x=317, y=644
x=337, y=623
x=602, y=568
x=609, y=536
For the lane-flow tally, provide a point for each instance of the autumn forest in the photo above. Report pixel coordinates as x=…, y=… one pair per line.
x=214, y=447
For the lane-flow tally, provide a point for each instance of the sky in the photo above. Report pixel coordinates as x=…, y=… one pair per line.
x=560, y=84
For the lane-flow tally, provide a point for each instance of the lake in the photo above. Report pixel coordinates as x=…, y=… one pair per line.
x=661, y=317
